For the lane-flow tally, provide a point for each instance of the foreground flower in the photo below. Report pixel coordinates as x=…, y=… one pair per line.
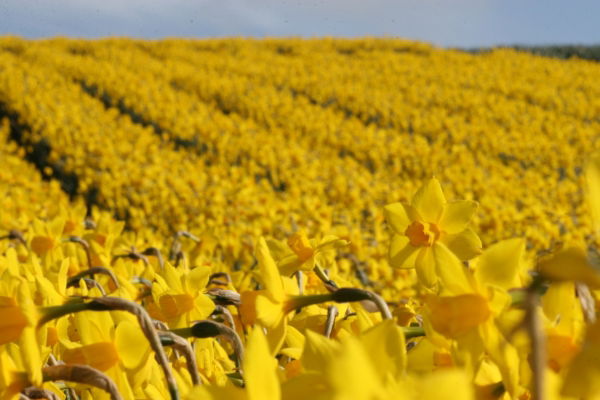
x=469, y=304
x=269, y=306
x=428, y=222
x=19, y=316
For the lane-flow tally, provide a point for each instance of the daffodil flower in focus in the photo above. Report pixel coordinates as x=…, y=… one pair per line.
x=426, y=224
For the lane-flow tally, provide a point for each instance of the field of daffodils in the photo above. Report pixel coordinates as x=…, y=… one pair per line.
x=363, y=219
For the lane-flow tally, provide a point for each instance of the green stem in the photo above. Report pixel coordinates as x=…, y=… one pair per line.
x=323, y=276
x=208, y=328
x=411, y=332
x=54, y=312
x=304, y=301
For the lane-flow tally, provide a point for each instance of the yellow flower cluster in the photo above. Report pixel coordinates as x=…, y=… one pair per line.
x=257, y=219
x=245, y=111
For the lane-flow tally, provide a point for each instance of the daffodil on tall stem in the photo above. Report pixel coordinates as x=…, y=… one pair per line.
x=270, y=307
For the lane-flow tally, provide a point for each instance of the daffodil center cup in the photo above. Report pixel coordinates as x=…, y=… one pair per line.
x=301, y=246
x=422, y=233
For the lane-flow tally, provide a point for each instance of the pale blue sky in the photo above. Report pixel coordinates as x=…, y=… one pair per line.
x=464, y=23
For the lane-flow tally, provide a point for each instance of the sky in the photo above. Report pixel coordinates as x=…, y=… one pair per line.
x=449, y=23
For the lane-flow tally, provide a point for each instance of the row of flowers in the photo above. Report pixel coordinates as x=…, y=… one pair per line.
x=267, y=112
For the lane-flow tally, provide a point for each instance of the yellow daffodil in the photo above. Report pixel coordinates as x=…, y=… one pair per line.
x=20, y=315
x=179, y=297
x=426, y=224
x=45, y=240
x=564, y=326
x=201, y=146
x=307, y=254
x=581, y=379
x=269, y=306
x=469, y=303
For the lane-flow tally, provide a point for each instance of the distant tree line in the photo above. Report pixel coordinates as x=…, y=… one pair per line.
x=555, y=51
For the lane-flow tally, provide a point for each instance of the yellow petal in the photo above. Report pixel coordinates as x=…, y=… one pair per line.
x=248, y=306
x=402, y=254
x=269, y=274
x=175, y=305
x=198, y=278
x=504, y=355
x=457, y=215
x=276, y=336
x=455, y=316
x=331, y=242
x=487, y=373
x=131, y=344
x=268, y=312
x=499, y=264
x=451, y=273
x=426, y=268
x=429, y=201
x=563, y=309
x=570, y=264
x=318, y=351
x=396, y=217
x=290, y=265
x=210, y=392
x=499, y=300
x=420, y=357
x=560, y=350
x=203, y=307
x=306, y=386
x=57, y=226
x=386, y=348
x=449, y=384
x=294, y=338
x=581, y=380
x=292, y=352
x=352, y=374
x=12, y=322
x=465, y=244
x=592, y=175
x=172, y=277
x=101, y=355
x=28, y=344
x=260, y=368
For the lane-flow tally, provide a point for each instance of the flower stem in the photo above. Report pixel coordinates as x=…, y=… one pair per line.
x=332, y=313
x=411, y=332
x=118, y=304
x=208, y=328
